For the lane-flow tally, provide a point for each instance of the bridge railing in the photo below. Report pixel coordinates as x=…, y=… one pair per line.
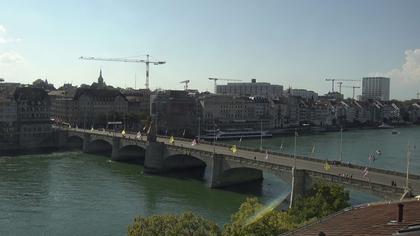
x=266, y=165
x=278, y=167
x=357, y=182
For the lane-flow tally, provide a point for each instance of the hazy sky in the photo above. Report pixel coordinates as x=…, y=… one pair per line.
x=292, y=43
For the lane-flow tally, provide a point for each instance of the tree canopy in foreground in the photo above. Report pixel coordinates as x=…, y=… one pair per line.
x=251, y=219
x=187, y=224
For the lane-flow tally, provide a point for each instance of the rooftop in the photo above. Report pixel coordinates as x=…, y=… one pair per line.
x=31, y=94
x=369, y=219
x=99, y=93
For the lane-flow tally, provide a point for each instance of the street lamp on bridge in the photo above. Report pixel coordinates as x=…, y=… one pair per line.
x=293, y=171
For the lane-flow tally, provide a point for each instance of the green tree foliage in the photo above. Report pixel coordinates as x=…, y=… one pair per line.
x=186, y=224
x=322, y=200
x=250, y=220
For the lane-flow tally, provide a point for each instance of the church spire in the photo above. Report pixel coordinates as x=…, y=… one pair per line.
x=100, y=79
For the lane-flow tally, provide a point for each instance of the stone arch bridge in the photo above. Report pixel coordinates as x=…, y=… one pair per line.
x=224, y=169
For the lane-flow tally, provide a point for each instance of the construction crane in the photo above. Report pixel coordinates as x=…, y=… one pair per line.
x=339, y=86
x=216, y=79
x=147, y=62
x=353, y=87
x=186, y=84
x=333, y=80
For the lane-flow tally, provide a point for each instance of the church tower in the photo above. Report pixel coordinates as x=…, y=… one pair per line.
x=100, y=79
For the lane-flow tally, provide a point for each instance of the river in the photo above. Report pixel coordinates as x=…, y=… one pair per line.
x=357, y=146
x=72, y=193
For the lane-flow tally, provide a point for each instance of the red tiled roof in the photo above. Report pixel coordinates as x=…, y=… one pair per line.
x=371, y=219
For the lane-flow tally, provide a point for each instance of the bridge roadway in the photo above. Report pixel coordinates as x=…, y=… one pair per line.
x=375, y=176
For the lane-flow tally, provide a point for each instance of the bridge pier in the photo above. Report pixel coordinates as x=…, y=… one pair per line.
x=86, y=141
x=215, y=168
x=115, y=154
x=61, y=139
x=301, y=183
x=222, y=175
x=155, y=156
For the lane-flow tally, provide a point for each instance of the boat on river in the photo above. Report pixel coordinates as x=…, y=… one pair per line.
x=385, y=126
x=236, y=134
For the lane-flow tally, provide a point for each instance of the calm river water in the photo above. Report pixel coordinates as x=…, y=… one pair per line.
x=72, y=193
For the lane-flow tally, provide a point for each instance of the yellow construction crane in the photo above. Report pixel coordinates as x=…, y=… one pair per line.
x=186, y=84
x=333, y=80
x=216, y=79
x=353, y=87
x=147, y=62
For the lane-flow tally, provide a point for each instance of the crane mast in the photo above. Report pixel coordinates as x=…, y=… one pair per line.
x=147, y=62
x=186, y=82
x=354, y=88
x=340, y=83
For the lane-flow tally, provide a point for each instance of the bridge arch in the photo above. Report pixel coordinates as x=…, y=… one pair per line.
x=183, y=161
x=237, y=175
x=99, y=146
x=185, y=166
x=132, y=153
x=74, y=141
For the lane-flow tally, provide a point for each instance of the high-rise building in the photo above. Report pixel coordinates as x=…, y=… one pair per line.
x=251, y=89
x=375, y=88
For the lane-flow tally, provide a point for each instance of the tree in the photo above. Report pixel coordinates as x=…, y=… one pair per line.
x=186, y=224
x=39, y=83
x=322, y=200
x=252, y=219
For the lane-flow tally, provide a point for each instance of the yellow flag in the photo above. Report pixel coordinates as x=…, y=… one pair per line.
x=123, y=132
x=171, y=140
x=327, y=166
x=233, y=149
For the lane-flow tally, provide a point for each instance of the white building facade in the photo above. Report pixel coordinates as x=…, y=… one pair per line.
x=250, y=89
x=377, y=88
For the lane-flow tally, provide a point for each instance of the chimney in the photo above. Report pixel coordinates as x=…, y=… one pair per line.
x=400, y=212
